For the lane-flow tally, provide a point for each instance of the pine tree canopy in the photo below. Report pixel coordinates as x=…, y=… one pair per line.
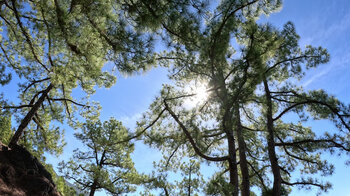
x=234, y=102
x=57, y=46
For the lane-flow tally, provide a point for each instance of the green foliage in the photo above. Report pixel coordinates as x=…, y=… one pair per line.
x=192, y=178
x=269, y=192
x=218, y=185
x=60, y=182
x=250, y=71
x=65, y=44
x=5, y=128
x=106, y=164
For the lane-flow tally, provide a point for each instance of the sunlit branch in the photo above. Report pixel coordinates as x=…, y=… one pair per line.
x=297, y=157
x=61, y=23
x=65, y=99
x=26, y=35
x=218, y=32
x=181, y=96
x=7, y=57
x=287, y=60
x=214, y=134
x=172, y=154
x=189, y=137
x=258, y=174
x=10, y=25
x=65, y=102
x=17, y=107
x=308, y=141
x=309, y=101
x=302, y=183
x=35, y=82
x=143, y=130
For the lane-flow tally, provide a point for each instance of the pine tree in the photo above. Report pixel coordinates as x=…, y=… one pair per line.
x=249, y=71
x=106, y=164
x=57, y=46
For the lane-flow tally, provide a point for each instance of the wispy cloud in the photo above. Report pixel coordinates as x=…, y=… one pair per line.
x=339, y=64
x=317, y=76
x=130, y=121
x=331, y=32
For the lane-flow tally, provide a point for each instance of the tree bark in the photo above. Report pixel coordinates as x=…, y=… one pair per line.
x=93, y=188
x=245, y=184
x=26, y=120
x=271, y=144
x=233, y=164
x=227, y=123
x=189, y=181
x=227, y=126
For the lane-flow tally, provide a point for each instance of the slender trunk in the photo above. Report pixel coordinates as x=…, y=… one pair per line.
x=26, y=120
x=189, y=181
x=166, y=191
x=271, y=144
x=233, y=164
x=227, y=125
x=93, y=188
x=245, y=184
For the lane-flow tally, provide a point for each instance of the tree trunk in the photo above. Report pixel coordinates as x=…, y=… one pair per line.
x=245, y=184
x=189, y=181
x=271, y=144
x=26, y=120
x=233, y=164
x=93, y=188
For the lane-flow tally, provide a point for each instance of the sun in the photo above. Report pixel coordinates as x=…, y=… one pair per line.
x=199, y=94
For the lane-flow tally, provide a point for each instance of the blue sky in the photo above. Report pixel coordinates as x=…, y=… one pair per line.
x=323, y=23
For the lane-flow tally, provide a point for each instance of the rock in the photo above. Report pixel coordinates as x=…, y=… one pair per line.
x=21, y=174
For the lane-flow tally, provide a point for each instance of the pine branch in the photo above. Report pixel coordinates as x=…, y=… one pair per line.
x=310, y=101
x=35, y=82
x=303, y=183
x=287, y=60
x=191, y=140
x=65, y=99
x=143, y=130
x=18, y=107
x=26, y=35
x=171, y=155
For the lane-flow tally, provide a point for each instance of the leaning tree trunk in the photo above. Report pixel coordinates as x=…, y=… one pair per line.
x=26, y=120
x=271, y=144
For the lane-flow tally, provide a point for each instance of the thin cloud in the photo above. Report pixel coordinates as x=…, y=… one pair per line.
x=317, y=76
x=331, y=31
x=130, y=121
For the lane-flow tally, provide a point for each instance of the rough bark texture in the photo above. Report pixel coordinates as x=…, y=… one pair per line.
x=245, y=184
x=21, y=174
x=227, y=126
x=271, y=144
x=233, y=164
x=26, y=120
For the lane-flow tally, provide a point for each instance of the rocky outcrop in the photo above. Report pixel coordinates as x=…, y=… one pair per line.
x=21, y=174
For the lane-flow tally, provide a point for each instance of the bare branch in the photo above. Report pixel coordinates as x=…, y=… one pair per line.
x=17, y=107
x=65, y=99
